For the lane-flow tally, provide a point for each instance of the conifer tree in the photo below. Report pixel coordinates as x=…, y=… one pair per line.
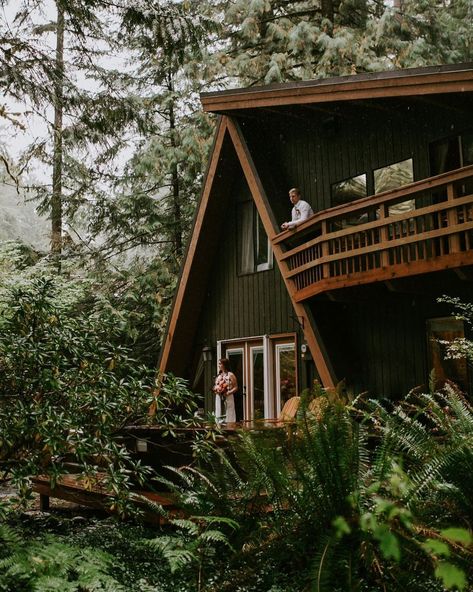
x=156, y=199
x=279, y=40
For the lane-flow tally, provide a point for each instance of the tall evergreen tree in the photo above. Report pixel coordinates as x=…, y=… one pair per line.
x=278, y=40
x=156, y=198
x=78, y=96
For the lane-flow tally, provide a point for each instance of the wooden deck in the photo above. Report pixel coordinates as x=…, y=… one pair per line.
x=420, y=228
x=73, y=488
x=158, y=452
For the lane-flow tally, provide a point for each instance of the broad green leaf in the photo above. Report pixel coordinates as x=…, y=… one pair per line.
x=451, y=576
x=436, y=547
x=458, y=535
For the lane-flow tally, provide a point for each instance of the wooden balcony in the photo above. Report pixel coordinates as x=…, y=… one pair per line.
x=422, y=227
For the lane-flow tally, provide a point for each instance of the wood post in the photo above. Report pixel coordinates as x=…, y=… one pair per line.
x=454, y=239
x=325, y=251
x=43, y=502
x=384, y=237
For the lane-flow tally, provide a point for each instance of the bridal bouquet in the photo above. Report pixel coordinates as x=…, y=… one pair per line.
x=221, y=386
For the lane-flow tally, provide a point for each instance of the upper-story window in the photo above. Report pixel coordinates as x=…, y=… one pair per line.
x=347, y=191
x=255, y=253
x=392, y=177
x=451, y=153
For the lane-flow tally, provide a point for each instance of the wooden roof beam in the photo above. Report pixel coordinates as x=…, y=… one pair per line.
x=186, y=269
x=419, y=81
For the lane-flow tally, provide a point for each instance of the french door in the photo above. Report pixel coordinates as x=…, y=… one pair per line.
x=266, y=371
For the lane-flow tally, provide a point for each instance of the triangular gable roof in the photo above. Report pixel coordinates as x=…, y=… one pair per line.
x=230, y=149
x=190, y=296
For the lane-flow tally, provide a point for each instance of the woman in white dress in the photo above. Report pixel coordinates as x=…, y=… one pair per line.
x=225, y=387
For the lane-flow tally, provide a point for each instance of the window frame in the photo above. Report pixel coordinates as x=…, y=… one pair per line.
x=257, y=239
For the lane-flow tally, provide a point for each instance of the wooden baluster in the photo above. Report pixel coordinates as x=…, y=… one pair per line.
x=325, y=250
x=384, y=238
x=454, y=239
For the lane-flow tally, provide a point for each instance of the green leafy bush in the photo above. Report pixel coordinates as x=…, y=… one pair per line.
x=67, y=384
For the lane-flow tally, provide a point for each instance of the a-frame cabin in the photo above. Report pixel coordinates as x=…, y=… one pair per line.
x=386, y=162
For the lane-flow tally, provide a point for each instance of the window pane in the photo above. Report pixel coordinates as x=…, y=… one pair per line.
x=287, y=373
x=467, y=146
x=393, y=176
x=236, y=366
x=258, y=383
x=349, y=190
x=446, y=329
x=444, y=155
x=262, y=247
x=247, y=261
x=345, y=192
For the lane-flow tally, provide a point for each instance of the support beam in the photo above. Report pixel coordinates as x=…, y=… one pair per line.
x=181, y=291
x=311, y=333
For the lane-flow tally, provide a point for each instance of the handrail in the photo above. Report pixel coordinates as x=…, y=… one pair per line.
x=435, y=236
x=373, y=200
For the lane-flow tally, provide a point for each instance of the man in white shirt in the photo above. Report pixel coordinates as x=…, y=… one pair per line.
x=300, y=212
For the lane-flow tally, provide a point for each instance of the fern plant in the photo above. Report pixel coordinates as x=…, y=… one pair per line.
x=196, y=542
x=50, y=565
x=351, y=499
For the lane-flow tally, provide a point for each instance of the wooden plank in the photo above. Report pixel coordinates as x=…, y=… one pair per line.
x=454, y=240
x=382, y=222
x=340, y=90
x=394, y=271
x=311, y=333
x=379, y=247
x=70, y=488
x=371, y=201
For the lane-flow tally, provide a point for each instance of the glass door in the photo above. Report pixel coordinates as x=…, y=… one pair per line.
x=247, y=362
x=256, y=403
x=236, y=356
x=266, y=371
x=285, y=373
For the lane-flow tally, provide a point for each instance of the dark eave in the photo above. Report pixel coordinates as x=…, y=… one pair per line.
x=398, y=83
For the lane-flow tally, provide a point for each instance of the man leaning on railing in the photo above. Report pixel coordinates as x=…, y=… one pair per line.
x=300, y=212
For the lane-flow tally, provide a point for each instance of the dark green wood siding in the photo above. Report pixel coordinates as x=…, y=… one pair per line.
x=239, y=305
x=375, y=338
x=313, y=148
x=377, y=341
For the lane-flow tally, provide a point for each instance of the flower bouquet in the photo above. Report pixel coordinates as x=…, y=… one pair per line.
x=221, y=386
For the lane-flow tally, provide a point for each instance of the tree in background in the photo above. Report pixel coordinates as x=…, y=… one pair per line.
x=301, y=39
x=156, y=199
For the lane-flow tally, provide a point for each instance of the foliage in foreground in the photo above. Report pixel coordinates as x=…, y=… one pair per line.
x=68, y=385
x=51, y=564
x=352, y=501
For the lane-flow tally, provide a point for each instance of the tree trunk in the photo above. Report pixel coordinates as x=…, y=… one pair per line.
x=327, y=9
x=56, y=198
x=176, y=206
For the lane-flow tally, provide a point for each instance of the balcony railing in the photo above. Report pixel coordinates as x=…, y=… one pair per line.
x=422, y=227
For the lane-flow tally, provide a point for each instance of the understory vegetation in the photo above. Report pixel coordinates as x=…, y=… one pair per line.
x=353, y=496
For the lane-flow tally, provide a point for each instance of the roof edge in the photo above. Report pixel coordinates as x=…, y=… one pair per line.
x=426, y=80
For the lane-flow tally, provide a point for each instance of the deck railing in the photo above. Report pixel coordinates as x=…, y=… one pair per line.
x=419, y=228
